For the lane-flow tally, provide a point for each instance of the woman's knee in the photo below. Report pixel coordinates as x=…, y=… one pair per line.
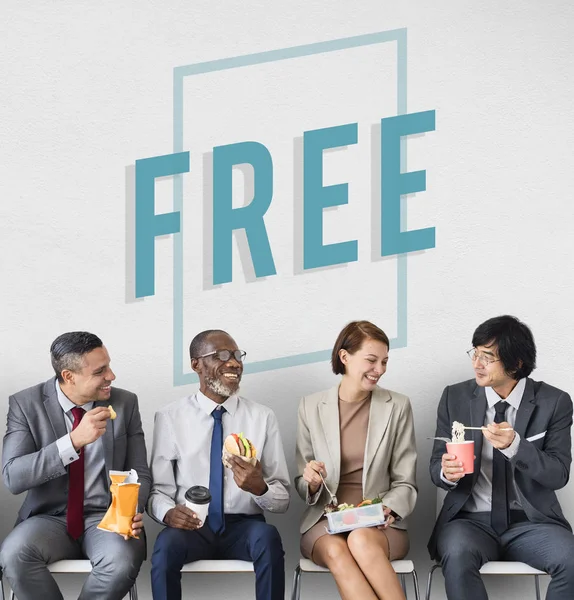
x=368, y=544
x=331, y=551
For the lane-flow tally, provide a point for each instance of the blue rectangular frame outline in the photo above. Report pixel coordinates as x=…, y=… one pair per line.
x=179, y=73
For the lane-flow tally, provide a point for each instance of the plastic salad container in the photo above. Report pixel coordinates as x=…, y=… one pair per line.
x=348, y=519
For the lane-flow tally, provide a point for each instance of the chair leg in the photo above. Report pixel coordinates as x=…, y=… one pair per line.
x=296, y=590
x=537, y=586
x=416, y=585
x=1, y=585
x=403, y=583
x=429, y=580
x=134, y=592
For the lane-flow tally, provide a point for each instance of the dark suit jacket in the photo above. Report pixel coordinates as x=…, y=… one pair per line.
x=540, y=466
x=30, y=458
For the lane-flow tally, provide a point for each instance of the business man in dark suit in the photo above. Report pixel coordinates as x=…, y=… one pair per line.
x=507, y=509
x=59, y=447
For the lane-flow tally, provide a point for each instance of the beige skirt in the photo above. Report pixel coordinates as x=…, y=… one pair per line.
x=398, y=539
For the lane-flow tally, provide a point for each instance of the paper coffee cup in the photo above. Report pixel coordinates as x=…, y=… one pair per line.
x=464, y=452
x=197, y=499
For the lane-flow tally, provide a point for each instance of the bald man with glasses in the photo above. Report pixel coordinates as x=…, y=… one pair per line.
x=187, y=452
x=507, y=509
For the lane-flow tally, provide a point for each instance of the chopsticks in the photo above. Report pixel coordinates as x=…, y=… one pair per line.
x=481, y=428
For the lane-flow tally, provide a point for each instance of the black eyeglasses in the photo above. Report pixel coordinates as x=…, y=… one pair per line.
x=225, y=355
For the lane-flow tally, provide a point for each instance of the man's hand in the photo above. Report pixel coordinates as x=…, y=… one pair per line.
x=311, y=475
x=91, y=427
x=137, y=526
x=451, y=467
x=181, y=517
x=498, y=438
x=248, y=477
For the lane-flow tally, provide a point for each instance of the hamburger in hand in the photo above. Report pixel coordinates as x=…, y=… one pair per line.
x=237, y=444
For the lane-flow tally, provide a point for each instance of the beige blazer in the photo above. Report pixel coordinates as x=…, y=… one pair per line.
x=390, y=453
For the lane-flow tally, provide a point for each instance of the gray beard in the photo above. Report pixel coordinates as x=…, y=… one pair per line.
x=219, y=388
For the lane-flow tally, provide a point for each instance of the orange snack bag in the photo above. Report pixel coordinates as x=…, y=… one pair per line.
x=124, y=490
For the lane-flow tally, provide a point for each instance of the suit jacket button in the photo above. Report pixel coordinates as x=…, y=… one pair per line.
x=521, y=465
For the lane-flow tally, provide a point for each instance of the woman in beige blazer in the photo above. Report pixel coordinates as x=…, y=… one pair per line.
x=360, y=437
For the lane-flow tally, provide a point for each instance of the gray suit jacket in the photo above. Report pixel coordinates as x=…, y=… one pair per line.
x=540, y=466
x=30, y=458
x=390, y=453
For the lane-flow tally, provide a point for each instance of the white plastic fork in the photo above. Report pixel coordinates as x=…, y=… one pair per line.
x=333, y=497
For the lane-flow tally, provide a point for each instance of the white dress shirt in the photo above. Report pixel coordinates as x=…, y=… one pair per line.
x=96, y=496
x=481, y=498
x=181, y=454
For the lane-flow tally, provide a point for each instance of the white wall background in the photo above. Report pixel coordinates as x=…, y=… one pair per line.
x=86, y=89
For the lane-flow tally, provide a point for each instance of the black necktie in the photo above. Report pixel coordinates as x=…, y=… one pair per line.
x=499, y=516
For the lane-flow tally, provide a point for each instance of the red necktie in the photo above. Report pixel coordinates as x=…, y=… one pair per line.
x=75, y=514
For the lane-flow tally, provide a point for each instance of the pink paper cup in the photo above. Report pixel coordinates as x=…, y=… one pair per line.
x=464, y=451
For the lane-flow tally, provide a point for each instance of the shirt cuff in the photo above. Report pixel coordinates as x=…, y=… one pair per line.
x=511, y=451
x=66, y=450
x=268, y=500
x=159, y=510
x=451, y=484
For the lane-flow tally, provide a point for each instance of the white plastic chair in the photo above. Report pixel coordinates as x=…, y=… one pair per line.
x=401, y=567
x=493, y=567
x=218, y=566
x=75, y=566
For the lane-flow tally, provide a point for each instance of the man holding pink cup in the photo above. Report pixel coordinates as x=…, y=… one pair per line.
x=510, y=452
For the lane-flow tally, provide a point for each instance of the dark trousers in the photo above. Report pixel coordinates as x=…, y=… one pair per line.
x=246, y=537
x=468, y=542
